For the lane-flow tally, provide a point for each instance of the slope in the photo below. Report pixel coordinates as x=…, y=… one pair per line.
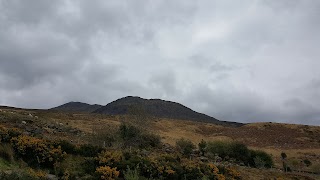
x=157, y=108
x=77, y=107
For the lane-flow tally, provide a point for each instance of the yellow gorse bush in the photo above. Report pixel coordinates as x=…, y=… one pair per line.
x=7, y=134
x=170, y=171
x=232, y=172
x=37, y=174
x=35, y=148
x=214, y=169
x=220, y=177
x=110, y=157
x=107, y=173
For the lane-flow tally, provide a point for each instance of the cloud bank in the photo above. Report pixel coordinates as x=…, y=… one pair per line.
x=245, y=61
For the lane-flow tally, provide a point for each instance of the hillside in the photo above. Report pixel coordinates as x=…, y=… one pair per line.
x=77, y=107
x=299, y=142
x=157, y=108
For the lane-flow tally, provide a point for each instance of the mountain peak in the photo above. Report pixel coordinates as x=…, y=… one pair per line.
x=77, y=107
x=158, y=108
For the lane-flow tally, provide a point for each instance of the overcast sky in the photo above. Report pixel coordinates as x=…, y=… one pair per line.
x=245, y=61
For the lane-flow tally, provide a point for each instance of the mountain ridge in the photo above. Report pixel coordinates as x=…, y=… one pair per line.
x=77, y=107
x=158, y=108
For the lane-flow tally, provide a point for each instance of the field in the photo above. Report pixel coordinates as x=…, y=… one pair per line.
x=299, y=142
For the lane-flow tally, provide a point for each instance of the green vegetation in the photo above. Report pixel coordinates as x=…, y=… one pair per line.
x=126, y=152
x=240, y=153
x=6, y=152
x=185, y=146
x=130, y=174
x=202, y=147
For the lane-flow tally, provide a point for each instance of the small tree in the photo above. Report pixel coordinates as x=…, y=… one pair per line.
x=202, y=147
x=283, y=156
x=185, y=146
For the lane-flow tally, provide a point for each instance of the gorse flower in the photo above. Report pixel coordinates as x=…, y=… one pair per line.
x=107, y=173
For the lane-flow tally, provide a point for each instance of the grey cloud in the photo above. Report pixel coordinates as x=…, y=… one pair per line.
x=242, y=61
x=165, y=83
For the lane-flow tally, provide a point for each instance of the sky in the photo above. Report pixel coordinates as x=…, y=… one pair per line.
x=244, y=61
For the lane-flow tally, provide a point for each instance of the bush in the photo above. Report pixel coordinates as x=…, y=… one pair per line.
x=241, y=153
x=132, y=136
x=67, y=147
x=37, y=151
x=110, y=158
x=107, y=172
x=88, y=150
x=185, y=146
x=232, y=172
x=29, y=174
x=211, y=171
x=128, y=132
x=130, y=174
x=89, y=165
x=190, y=169
x=261, y=159
x=220, y=148
x=148, y=140
x=7, y=134
x=202, y=147
x=259, y=163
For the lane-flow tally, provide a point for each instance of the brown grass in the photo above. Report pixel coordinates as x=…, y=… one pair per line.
x=297, y=141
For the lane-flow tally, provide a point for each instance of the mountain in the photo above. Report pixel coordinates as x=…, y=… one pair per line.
x=158, y=108
x=77, y=107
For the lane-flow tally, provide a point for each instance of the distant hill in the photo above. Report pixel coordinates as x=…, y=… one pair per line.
x=77, y=107
x=158, y=108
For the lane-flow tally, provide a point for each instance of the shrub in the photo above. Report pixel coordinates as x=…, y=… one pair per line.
x=37, y=174
x=219, y=147
x=128, y=132
x=67, y=147
x=211, y=171
x=89, y=165
x=241, y=153
x=190, y=169
x=130, y=174
x=232, y=172
x=107, y=172
x=7, y=134
x=283, y=155
x=29, y=174
x=88, y=150
x=37, y=151
x=261, y=159
x=259, y=163
x=202, y=147
x=134, y=137
x=105, y=136
x=148, y=140
x=110, y=158
x=185, y=146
